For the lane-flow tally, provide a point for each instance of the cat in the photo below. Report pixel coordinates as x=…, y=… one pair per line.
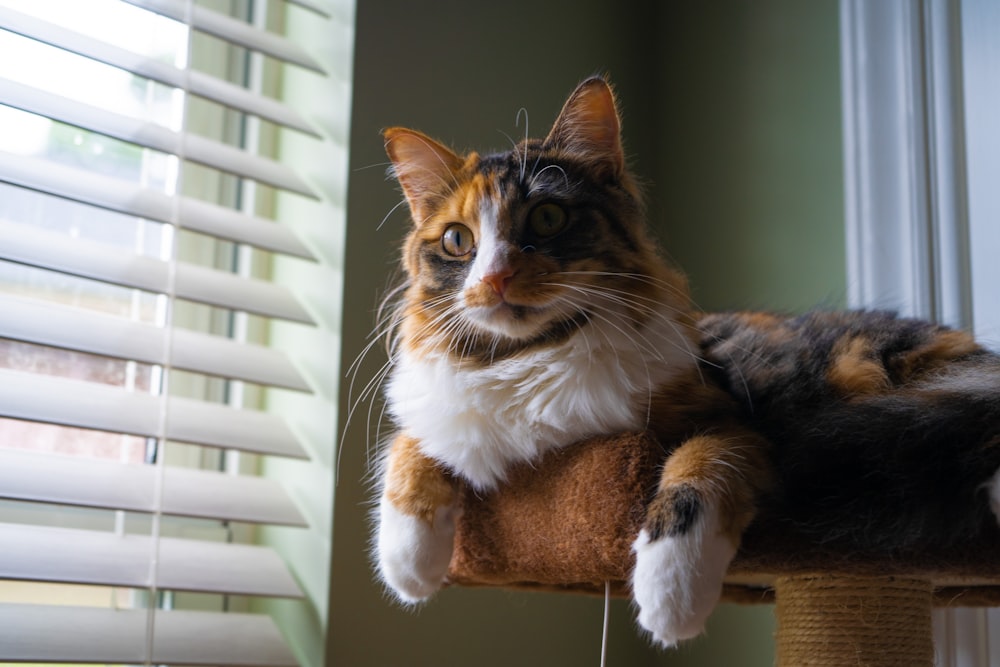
x=537, y=311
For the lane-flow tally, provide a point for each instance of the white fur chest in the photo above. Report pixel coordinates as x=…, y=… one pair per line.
x=479, y=421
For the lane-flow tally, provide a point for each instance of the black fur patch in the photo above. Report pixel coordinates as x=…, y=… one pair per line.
x=678, y=513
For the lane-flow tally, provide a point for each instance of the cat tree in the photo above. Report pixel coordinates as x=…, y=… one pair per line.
x=567, y=524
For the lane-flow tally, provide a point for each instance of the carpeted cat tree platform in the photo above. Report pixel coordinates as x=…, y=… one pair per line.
x=567, y=524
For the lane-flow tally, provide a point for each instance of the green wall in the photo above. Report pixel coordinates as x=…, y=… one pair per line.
x=749, y=183
x=731, y=114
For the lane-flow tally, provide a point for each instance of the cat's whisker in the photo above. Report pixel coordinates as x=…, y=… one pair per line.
x=517, y=149
x=383, y=330
x=621, y=297
x=531, y=187
x=607, y=339
x=434, y=325
x=534, y=167
x=378, y=422
x=367, y=394
x=455, y=330
x=595, y=292
x=649, y=386
x=636, y=298
x=639, y=277
x=522, y=156
x=392, y=210
x=638, y=301
x=646, y=346
x=355, y=367
x=371, y=387
x=655, y=310
x=584, y=334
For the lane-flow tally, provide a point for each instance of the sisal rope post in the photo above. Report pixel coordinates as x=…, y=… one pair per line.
x=853, y=621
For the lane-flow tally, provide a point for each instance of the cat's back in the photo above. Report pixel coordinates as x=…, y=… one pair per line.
x=767, y=359
x=884, y=428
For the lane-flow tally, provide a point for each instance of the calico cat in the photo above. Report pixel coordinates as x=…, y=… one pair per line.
x=537, y=312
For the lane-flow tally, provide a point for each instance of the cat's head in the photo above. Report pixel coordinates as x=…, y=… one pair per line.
x=524, y=248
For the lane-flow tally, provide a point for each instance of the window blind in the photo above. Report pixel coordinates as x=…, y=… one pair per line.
x=138, y=236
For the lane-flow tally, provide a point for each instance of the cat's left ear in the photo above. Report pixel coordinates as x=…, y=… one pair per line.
x=588, y=125
x=425, y=169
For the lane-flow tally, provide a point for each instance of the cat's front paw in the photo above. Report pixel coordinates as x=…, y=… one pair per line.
x=678, y=580
x=414, y=552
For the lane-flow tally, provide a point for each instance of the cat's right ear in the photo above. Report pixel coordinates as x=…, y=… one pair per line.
x=424, y=168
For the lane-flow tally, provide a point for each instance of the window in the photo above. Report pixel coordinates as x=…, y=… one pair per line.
x=921, y=146
x=168, y=343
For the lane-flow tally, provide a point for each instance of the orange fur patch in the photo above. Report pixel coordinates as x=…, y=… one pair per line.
x=728, y=470
x=762, y=320
x=945, y=347
x=854, y=371
x=481, y=295
x=416, y=484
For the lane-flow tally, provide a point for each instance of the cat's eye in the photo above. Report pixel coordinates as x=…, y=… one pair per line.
x=547, y=219
x=457, y=240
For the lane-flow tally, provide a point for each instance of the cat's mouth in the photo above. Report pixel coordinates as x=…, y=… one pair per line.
x=520, y=321
x=510, y=319
x=517, y=314
x=526, y=326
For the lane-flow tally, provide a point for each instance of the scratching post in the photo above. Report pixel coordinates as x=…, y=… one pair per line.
x=567, y=524
x=846, y=621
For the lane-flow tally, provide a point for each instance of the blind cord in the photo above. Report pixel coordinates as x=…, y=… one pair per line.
x=170, y=297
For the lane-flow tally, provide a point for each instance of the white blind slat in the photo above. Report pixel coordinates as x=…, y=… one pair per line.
x=117, y=195
x=226, y=357
x=150, y=135
x=198, y=83
x=203, y=493
x=46, y=323
x=43, y=633
x=228, y=290
x=59, y=252
x=91, y=405
x=235, y=226
x=68, y=480
x=319, y=8
x=233, y=31
x=39, y=553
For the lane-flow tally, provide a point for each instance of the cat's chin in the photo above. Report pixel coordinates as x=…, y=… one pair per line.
x=511, y=321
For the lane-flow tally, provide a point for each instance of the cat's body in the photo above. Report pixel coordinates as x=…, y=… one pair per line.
x=884, y=429
x=537, y=313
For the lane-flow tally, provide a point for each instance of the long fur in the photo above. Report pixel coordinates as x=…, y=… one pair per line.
x=536, y=312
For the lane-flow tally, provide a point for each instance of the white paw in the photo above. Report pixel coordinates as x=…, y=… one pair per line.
x=678, y=580
x=413, y=554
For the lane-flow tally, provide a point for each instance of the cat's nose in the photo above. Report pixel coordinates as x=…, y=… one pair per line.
x=499, y=280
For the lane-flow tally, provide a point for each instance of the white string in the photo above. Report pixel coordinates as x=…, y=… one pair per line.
x=160, y=378
x=607, y=616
